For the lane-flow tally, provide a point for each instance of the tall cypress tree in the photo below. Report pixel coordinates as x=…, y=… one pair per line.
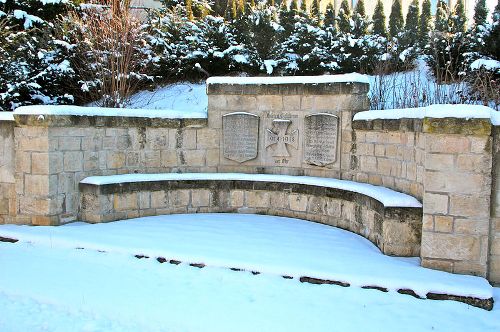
x=459, y=19
x=425, y=23
x=294, y=7
x=480, y=13
x=379, y=27
x=359, y=19
x=329, y=16
x=303, y=8
x=493, y=40
x=412, y=18
x=442, y=17
x=315, y=10
x=344, y=17
x=396, y=21
x=287, y=20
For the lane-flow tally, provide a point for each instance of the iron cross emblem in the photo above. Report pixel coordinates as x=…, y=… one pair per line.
x=278, y=136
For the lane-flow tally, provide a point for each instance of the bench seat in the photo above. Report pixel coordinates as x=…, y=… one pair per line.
x=390, y=219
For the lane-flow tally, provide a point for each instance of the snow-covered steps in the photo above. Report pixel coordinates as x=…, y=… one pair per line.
x=308, y=252
x=390, y=219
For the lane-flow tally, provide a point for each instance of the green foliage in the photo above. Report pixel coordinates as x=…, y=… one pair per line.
x=379, y=26
x=329, y=16
x=425, y=25
x=480, y=13
x=442, y=17
x=396, y=21
x=360, y=22
x=458, y=19
x=316, y=10
x=344, y=17
x=493, y=40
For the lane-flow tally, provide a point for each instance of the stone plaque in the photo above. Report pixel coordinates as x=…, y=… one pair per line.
x=320, y=139
x=279, y=137
x=240, y=132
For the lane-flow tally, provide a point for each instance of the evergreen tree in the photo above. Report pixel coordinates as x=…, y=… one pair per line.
x=303, y=8
x=189, y=10
x=442, y=17
x=360, y=25
x=396, y=21
x=294, y=7
x=287, y=19
x=459, y=20
x=493, y=40
x=379, y=27
x=480, y=13
x=412, y=18
x=344, y=17
x=425, y=23
x=316, y=10
x=329, y=16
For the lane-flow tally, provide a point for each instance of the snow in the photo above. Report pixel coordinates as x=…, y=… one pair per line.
x=48, y=285
x=386, y=196
x=345, y=78
x=434, y=111
x=267, y=244
x=486, y=64
x=6, y=116
x=99, y=111
x=28, y=19
x=182, y=97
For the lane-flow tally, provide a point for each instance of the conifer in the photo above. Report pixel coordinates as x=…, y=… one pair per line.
x=189, y=10
x=480, y=13
x=316, y=10
x=329, y=16
x=459, y=19
x=344, y=17
x=379, y=26
x=442, y=17
x=425, y=23
x=360, y=27
x=396, y=21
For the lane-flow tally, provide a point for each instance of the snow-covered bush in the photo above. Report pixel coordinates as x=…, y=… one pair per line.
x=34, y=65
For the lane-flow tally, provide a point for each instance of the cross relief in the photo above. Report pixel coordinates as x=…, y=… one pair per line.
x=279, y=137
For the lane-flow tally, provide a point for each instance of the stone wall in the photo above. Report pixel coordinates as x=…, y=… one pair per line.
x=389, y=153
x=7, y=181
x=494, y=258
x=55, y=153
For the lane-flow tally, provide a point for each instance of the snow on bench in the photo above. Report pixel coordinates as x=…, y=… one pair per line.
x=386, y=196
x=391, y=220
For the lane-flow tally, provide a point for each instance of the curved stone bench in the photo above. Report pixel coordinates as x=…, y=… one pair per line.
x=391, y=220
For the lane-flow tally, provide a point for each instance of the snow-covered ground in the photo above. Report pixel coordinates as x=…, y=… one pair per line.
x=47, y=284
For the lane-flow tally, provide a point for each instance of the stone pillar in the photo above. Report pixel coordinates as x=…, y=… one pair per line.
x=7, y=182
x=494, y=258
x=457, y=193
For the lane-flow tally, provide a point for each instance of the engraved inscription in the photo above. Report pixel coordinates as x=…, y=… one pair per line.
x=240, y=136
x=278, y=137
x=320, y=139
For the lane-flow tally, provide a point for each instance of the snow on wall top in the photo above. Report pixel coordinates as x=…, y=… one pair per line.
x=101, y=111
x=6, y=116
x=388, y=197
x=434, y=111
x=345, y=78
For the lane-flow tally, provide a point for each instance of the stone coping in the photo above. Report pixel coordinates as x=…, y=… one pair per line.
x=302, y=184
x=458, y=126
x=289, y=85
x=76, y=116
x=6, y=116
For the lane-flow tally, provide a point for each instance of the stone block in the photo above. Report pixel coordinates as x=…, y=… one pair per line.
x=152, y=159
x=115, y=159
x=316, y=205
x=456, y=182
x=73, y=161
x=471, y=268
x=23, y=162
x=437, y=264
x=159, y=199
x=291, y=102
x=450, y=246
x=168, y=158
x=236, y=198
x=446, y=144
x=265, y=103
x=178, y=198
x=37, y=185
x=435, y=203
x=70, y=144
x=156, y=138
x=279, y=200
x=125, y=202
x=40, y=163
x=200, y=197
x=192, y=157
x=247, y=103
x=298, y=202
x=428, y=222
x=470, y=206
x=474, y=163
x=144, y=200
x=471, y=226
x=443, y=224
x=258, y=199
x=207, y=138
x=440, y=162
x=480, y=144
x=182, y=138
